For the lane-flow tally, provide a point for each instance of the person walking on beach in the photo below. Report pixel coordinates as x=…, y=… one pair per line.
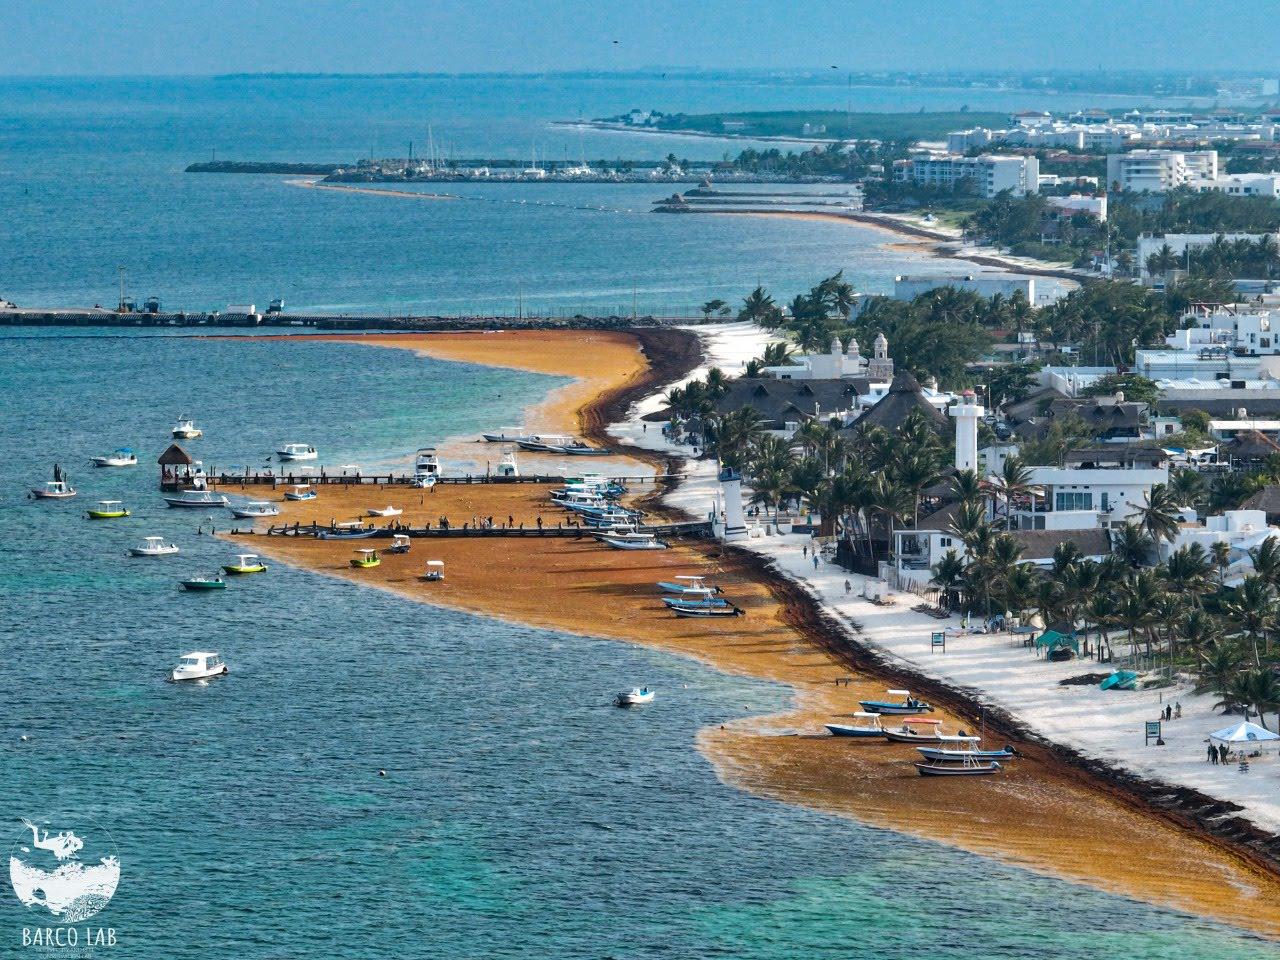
x=1168, y=712
x=539, y=521
x=1213, y=755
x=805, y=550
x=1177, y=710
x=848, y=588
x=815, y=559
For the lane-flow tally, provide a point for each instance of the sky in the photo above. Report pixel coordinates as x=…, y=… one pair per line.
x=92, y=37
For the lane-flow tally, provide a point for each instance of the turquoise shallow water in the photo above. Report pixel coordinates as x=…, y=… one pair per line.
x=521, y=816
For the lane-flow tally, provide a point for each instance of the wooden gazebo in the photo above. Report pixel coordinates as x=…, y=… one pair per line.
x=175, y=468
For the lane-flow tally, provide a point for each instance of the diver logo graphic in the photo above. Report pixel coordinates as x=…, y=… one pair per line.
x=71, y=875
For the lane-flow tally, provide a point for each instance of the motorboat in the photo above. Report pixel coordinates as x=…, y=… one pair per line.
x=123, y=457
x=507, y=466
x=54, y=490
x=245, y=563
x=300, y=491
x=634, y=541
x=969, y=767
x=400, y=543
x=107, y=510
x=544, y=443
x=347, y=532
x=198, y=584
x=289, y=452
x=254, y=509
x=434, y=572
x=197, y=498
x=957, y=749
x=634, y=697
x=384, y=512
x=916, y=730
x=908, y=706
x=186, y=429
x=870, y=727
x=426, y=463
x=365, y=559
x=686, y=583
x=728, y=610
x=578, y=449
x=198, y=665
x=515, y=436
x=695, y=603
x=154, y=547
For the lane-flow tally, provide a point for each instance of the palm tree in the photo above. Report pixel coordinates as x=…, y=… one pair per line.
x=1011, y=483
x=1159, y=517
x=917, y=472
x=891, y=500
x=1131, y=544
x=948, y=575
x=1266, y=561
x=759, y=308
x=776, y=354
x=1217, y=668
x=1221, y=552
x=1187, y=487
x=968, y=487
x=735, y=437
x=1188, y=570
x=712, y=306
x=1264, y=692
x=1252, y=607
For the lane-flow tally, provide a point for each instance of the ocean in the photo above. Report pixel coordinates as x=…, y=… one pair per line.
x=520, y=814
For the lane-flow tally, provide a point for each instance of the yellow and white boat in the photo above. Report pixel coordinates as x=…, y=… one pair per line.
x=108, y=510
x=366, y=558
x=245, y=563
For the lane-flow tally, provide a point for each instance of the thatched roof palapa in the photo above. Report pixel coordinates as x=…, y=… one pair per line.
x=175, y=456
x=904, y=396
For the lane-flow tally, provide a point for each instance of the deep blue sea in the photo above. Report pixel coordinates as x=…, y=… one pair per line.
x=521, y=815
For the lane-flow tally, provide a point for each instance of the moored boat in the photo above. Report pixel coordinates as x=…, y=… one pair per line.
x=387, y=511
x=915, y=730
x=154, y=547
x=199, y=584
x=434, y=572
x=54, y=490
x=245, y=563
x=341, y=532
x=908, y=706
x=300, y=491
x=365, y=559
x=870, y=728
x=957, y=749
x=107, y=510
x=400, y=543
x=255, y=508
x=968, y=768
x=515, y=436
x=198, y=665
x=727, y=610
x=122, y=457
x=634, y=541
x=194, y=499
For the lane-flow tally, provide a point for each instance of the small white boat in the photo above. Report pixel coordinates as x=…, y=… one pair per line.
x=633, y=697
x=916, y=730
x=54, y=490
x=426, y=464
x=508, y=435
x=300, y=491
x=906, y=707
x=194, y=499
x=400, y=543
x=969, y=767
x=507, y=466
x=387, y=511
x=154, y=547
x=186, y=429
x=198, y=665
x=633, y=541
x=123, y=457
x=255, y=508
x=870, y=727
x=296, y=451
x=435, y=571
x=686, y=583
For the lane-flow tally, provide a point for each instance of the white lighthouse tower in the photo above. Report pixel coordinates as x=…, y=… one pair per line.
x=967, y=413
x=735, y=523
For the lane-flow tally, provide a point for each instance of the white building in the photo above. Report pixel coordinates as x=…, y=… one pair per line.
x=1156, y=171
x=836, y=364
x=1240, y=530
x=1039, y=291
x=1243, y=184
x=1082, y=498
x=989, y=174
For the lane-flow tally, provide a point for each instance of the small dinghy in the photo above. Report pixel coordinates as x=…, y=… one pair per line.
x=728, y=610
x=199, y=584
x=107, y=510
x=870, y=728
x=198, y=665
x=365, y=559
x=300, y=491
x=434, y=572
x=153, y=547
x=400, y=543
x=254, y=509
x=633, y=697
x=908, y=706
x=633, y=541
x=387, y=511
x=54, y=490
x=916, y=730
x=124, y=457
x=245, y=563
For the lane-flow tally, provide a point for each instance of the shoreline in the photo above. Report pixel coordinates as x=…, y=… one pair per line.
x=750, y=754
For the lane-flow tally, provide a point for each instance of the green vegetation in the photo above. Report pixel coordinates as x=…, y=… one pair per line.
x=1134, y=386
x=847, y=161
x=1256, y=259
x=838, y=124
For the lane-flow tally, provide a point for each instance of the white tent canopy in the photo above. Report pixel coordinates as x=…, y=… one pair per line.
x=1246, y=734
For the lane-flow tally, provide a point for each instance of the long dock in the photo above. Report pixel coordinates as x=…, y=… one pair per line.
x=689, y=528
x=275, y=480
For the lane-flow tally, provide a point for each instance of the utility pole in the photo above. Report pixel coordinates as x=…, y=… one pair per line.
x=519, y=300
x=121, y=305
x=634, y=312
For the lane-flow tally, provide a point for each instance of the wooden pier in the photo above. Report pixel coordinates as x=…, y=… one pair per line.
x=698, y=529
